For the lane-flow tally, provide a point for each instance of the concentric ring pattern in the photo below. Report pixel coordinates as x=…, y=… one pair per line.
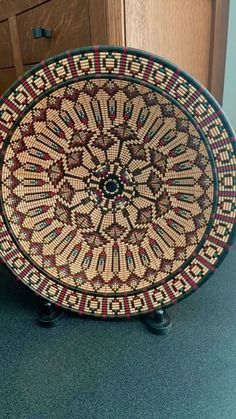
x=117, y=182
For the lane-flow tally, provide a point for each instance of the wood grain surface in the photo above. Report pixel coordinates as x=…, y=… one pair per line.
x=220, y=15
x=6, y=57
x=17, y=57
x=190, y=33
x=69, y=22
x=7, y=77
x=115, y=22
x=11, y=7
x=97, y=20
x=177, y=30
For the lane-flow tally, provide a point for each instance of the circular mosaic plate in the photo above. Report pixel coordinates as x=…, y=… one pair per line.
x=117, y=181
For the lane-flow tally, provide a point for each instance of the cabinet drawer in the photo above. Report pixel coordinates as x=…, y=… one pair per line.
x=12, y=7
x=7, y=77
x=6, y=57
x=68, y=20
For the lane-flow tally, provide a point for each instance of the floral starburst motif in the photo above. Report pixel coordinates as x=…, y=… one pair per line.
x=74, y=159
x=66, y=192
x=56, y=172
x=80, y=138
x=83, y=221
x=115, y=231
x=136, y=236
x=104, y=142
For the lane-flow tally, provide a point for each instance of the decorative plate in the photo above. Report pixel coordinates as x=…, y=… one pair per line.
x=118, y=181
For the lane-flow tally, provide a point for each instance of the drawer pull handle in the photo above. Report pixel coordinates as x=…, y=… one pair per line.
x=39, y=32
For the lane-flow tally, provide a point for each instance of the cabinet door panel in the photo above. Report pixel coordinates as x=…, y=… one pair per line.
x=7, y=77
x=11, y=7
x=179, y=30
x=69, y=22
x=6, y=58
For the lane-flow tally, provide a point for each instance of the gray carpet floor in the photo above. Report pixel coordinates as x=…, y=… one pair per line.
x=92, y=369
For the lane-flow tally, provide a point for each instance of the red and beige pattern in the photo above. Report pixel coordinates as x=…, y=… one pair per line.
x=117, y=182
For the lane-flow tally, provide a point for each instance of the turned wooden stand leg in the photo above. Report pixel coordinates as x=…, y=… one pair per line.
x=158, y=322
x=49, y=315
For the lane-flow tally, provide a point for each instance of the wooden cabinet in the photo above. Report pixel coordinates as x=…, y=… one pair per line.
x=7, y=77
x=168, y=24
x=13, y=7
x=69, y=26
x=73, y=24
x=6, y=57
x=190, y=33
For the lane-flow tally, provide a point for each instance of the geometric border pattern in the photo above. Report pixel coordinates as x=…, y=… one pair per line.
x=197, y=102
